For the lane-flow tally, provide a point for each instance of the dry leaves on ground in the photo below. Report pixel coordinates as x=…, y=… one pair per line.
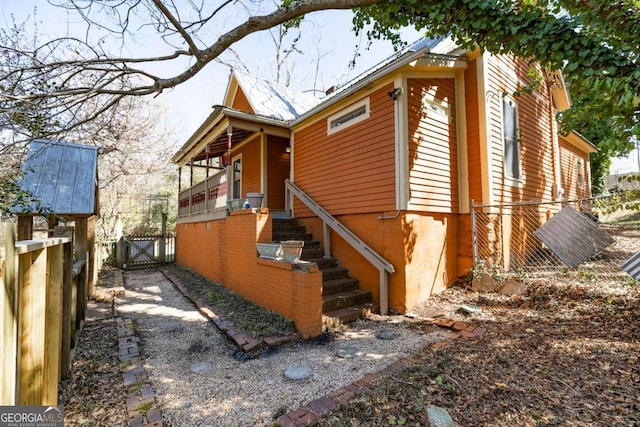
x=564, y=354
x=94, y=393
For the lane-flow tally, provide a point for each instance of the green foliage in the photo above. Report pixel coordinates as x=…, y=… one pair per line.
x=13, y=198
x=592, y=42
x=624, y=199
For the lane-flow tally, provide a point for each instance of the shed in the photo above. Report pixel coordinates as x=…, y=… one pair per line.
x=63, y=177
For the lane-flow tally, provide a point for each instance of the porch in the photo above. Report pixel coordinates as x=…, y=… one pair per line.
x=238, y=155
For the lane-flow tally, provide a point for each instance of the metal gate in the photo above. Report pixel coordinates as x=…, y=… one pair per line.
x=144, y=251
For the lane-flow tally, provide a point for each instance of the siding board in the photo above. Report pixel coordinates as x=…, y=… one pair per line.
x=352, y=170
x=433, y=156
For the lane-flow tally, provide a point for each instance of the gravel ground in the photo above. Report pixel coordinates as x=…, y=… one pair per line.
x=253, y=392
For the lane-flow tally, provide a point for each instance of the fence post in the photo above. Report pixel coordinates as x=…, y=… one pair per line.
x=474, y=233
x=9, y=295
x=53, y=326
x=81, y=293
x=68, y=311
x=162, y=250
x=120, y=253
x=32, y=281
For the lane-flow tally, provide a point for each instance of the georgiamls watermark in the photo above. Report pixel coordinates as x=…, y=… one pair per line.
x=31, y=416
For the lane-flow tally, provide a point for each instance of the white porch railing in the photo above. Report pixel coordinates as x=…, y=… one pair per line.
x=363, y=249
x=209, y=195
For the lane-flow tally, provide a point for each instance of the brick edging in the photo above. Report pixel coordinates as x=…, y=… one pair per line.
x=318, y=408
x=141, y=403
x=142, y=410
x=241, y=339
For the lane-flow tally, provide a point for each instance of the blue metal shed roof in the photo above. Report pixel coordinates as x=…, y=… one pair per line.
x=63, y=176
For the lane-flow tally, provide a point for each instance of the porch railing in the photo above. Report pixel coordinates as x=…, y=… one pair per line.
x=328, y=221
x=209, y=195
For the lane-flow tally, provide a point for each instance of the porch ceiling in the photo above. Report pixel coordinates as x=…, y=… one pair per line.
x=212, y=136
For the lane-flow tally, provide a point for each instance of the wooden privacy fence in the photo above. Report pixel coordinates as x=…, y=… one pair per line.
x=43, y=300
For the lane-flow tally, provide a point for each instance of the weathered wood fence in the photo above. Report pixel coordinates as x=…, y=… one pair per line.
x=43, y=297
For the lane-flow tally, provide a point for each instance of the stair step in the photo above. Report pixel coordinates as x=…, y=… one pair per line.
x=285, y=221
x=344, y=299
x=311, y=252
x=291, y=235
x=344, y=315
x=324, y=262
x=288, y=228
x=334, y=286
x=335, y=272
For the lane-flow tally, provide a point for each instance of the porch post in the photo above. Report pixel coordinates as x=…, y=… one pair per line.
x=190, y=184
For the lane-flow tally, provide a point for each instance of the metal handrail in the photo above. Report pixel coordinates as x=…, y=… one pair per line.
x=363, y=249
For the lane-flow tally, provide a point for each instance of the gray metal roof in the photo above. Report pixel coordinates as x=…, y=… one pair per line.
x=272, y=100
x=443, y=46
x=63, y=176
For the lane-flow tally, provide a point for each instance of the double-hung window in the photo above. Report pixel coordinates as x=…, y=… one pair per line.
x=512, y=166
x=580, y=173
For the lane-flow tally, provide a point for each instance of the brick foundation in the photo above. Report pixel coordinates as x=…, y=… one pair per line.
x=225, y=252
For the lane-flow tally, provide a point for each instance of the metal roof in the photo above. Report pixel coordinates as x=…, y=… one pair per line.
x=289, y=107
x=272, y=100
x=63, y=176
x=632, y=266
x=442, y=46
x=573, y=237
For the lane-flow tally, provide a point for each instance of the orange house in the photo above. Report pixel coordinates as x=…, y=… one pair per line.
x=377, y=178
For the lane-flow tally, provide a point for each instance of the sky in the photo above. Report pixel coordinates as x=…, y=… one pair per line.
x=324, y=34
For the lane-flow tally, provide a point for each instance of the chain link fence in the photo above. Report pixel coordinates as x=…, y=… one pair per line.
x=590, y=238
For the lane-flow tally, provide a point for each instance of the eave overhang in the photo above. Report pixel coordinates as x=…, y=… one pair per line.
x=212, y=137
x=419, y=58
x=580, y=142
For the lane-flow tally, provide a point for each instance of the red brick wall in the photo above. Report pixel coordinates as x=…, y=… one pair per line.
x=225, y=252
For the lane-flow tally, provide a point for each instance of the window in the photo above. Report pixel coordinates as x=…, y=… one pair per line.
x=511, y=139
x=237, y=178
x=435, y=107
x=580, y=170
x=349, y=116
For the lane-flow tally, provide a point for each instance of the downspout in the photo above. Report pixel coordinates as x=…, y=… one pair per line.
x=395, y=94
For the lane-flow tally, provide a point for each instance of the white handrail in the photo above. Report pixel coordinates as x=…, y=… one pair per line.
x=363, y=249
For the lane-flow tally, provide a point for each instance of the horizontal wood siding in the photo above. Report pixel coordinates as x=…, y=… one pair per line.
x=277, y=170
x=569, y=156
x=433, y=152
x=473, y=132
x=250, y=166
x=506, y=76
x=241, y=103
x=352, y=170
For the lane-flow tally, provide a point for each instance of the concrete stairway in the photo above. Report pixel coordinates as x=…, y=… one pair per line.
x=342, y=299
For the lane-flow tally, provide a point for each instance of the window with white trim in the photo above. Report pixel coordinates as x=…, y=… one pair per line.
x=349, y=116
x=511, y=136
x=580, y=170
x=435, y=107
